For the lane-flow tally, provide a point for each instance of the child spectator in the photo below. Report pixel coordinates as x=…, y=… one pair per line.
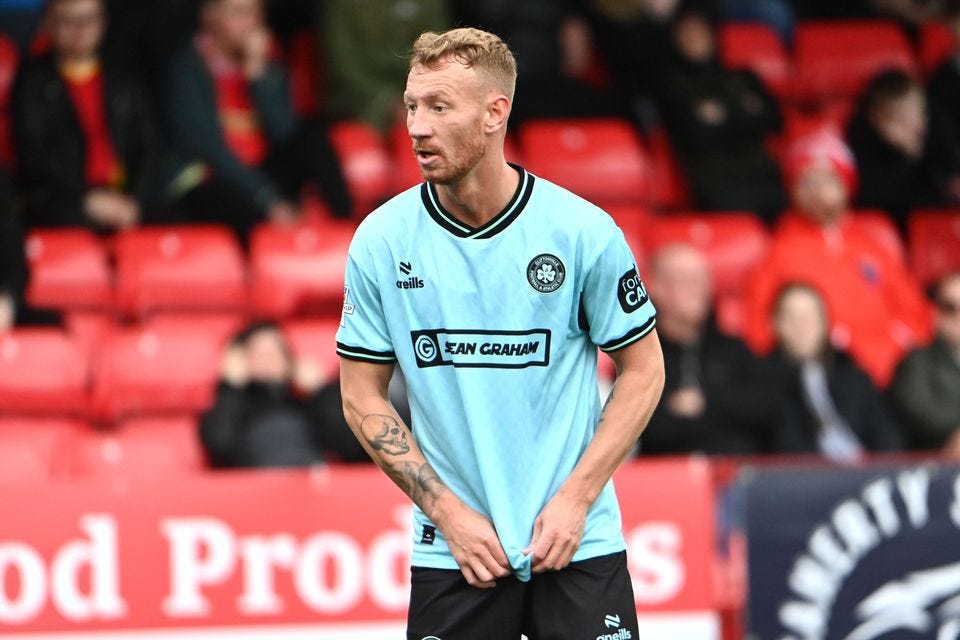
x=828, y=405
x=272, y=411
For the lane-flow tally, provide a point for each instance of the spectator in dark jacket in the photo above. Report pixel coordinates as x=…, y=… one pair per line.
x=904, y=158
x=228, y=105
x=828, y=405
x=926, y=387
x=272, y=411
x=86, y=148
x=717, y=120
x=715, y=399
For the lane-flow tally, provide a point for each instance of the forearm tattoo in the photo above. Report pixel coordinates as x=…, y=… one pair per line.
x=418, y=480
x=385, y=434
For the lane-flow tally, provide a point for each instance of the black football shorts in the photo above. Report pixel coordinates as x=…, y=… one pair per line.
x=588, y=600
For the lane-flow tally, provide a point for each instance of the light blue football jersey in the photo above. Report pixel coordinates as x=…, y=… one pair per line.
x=496, y=331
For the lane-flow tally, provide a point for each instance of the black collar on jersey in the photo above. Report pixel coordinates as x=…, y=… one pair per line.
x=428, y=193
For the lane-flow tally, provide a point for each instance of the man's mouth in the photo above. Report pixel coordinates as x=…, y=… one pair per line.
x=425, y=154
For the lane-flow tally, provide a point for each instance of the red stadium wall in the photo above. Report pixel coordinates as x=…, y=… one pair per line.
x=290, y=555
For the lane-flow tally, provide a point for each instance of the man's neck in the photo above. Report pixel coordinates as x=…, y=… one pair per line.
x=481, y=195
x=79, y=68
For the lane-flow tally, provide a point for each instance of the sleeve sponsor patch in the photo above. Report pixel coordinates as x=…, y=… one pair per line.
x=630, y=291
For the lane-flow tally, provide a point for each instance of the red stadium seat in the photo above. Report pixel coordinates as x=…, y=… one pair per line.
x=42, y=371
x=878, y=226
x=835, y=59
x=757, y=47
x=179, y=268
x=734, y=243
x=667, y=186
x=297, y=270
x=936, y=45
x=365, y=162
x=141, y=448
x=315, y=341
x=69, y=269
x=934, y=241
x=160, y=368
x=600, y=160
x=32, y=449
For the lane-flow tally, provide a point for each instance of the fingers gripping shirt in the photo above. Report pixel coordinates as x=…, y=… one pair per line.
x=496, y=330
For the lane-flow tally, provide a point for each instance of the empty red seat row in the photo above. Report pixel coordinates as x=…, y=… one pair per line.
x=168, y=365
x=831, y=59
x=42, y=449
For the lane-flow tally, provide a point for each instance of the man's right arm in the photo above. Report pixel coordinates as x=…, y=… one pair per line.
x=390, y=443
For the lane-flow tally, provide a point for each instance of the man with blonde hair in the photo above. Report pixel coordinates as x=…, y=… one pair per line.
x=492, y=290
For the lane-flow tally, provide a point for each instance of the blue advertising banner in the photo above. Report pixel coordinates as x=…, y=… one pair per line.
x=853, y=554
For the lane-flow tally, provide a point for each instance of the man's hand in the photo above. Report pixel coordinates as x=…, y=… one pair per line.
x=233, y=366
x=557, y=532
x=473, y=542
x=256, y=53
x=8, y=312
x=688, y=402
x=111, y=209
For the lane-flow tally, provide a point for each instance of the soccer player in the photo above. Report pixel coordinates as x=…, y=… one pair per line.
x=492, y=289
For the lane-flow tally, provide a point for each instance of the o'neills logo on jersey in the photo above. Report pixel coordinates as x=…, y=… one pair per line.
x=483, y=349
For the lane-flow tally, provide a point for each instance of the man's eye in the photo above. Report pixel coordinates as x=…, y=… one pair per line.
x=411, y=108
x=439, y=108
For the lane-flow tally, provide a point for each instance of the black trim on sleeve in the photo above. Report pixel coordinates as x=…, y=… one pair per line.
x=630, y=337
x=365, y=355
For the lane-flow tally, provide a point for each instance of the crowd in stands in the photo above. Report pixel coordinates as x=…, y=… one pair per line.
x=121, y=115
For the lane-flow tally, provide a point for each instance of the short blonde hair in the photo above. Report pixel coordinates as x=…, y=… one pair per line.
x=470, y=47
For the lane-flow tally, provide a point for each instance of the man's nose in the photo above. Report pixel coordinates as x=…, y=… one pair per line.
x=418, y=124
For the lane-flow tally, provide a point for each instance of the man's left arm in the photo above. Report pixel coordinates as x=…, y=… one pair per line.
x=559, y=528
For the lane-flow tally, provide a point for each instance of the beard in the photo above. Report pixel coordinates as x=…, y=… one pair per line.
x=469, y=153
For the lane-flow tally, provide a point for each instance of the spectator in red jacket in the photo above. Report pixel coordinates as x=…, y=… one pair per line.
x=877, y=309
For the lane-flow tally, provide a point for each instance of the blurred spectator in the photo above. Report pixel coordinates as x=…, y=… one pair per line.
x=926, y=388
x=365, y=46
x=715, y=399
x=717, y=120
x=633, y=37
x=828, y=405
x=944, y=89
x=553, y=45
x=904, y=158
x=877, y=309
x=228, y=105
x=270, y=410
x=86, y=146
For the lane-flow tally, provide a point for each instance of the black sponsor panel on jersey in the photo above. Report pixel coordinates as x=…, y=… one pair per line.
x=481, y=349
x=630, y=291
x=853, y=554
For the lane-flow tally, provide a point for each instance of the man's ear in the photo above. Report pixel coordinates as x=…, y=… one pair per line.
x=498, y=110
